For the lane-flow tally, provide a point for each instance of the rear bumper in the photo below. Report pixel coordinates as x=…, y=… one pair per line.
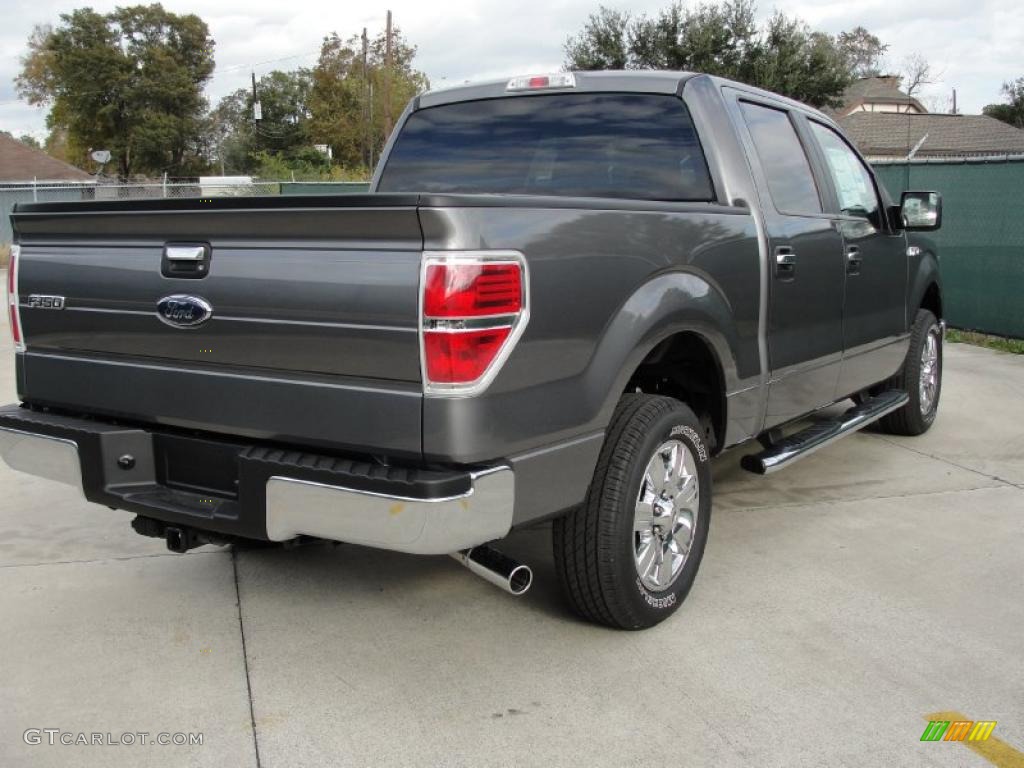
x=260, y=492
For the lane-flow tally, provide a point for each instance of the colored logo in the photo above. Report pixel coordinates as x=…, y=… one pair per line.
x=958, y=730
x=183, y=311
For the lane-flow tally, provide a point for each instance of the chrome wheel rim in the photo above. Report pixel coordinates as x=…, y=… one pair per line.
x=928, y=386
x=665, y=518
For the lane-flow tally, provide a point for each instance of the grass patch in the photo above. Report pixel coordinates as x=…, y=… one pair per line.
x=1014, y=346
x=5, y=256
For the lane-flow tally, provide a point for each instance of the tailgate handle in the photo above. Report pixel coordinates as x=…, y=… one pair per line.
x=187, y=260
x=185, y=252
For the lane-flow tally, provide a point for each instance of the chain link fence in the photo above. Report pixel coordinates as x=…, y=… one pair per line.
x=50, y=192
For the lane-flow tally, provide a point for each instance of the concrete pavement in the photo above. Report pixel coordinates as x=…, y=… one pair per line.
x=839, y=602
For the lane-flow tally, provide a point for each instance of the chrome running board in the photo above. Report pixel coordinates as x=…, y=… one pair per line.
x=823, y=432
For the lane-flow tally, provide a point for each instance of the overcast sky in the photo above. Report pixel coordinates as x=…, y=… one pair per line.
x=974, y=45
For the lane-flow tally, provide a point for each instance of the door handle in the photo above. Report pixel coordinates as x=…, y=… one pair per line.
x=785, y=263
x=853, y=260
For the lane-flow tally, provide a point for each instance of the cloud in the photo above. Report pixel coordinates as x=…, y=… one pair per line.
x=975, y=45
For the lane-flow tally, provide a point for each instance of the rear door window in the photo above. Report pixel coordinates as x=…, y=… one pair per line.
x=788, y=171
x=623, y=145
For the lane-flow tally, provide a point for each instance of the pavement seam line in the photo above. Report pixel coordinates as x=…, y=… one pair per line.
x=947, y=461
x=108, y=559
x=245, y=656
x=245, y=652
x=788, y=505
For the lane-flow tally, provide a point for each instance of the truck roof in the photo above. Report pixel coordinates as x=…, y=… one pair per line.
x=633, y=80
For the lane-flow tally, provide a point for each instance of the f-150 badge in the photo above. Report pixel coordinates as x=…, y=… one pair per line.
x=184, y=311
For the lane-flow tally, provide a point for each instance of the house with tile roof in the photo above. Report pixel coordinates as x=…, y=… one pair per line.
x=888, y=124
x=22, y=164
x=878, y=94
x=887, y=135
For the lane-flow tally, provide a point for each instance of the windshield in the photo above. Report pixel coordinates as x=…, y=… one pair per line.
x=638, y=146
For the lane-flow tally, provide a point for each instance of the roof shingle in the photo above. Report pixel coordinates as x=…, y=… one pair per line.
x=20, y=163
x=894, y=135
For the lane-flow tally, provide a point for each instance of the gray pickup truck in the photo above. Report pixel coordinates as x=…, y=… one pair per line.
x=563, y=296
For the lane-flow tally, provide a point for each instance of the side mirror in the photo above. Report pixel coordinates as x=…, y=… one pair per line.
x=921, y=211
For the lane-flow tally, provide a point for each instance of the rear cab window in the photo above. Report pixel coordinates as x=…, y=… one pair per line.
x=617, y=145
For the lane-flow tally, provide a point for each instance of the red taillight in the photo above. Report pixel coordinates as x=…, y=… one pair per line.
x=12, y=298
x=474, y=309
x=472, y=290
x=462, y=356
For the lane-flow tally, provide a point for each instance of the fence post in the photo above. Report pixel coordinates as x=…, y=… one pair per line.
x=35, y=195
x=165, y=184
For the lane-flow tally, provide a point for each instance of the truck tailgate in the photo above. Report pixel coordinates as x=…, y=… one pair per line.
x=313, y=331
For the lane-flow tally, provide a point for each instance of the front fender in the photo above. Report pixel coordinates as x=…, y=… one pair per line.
x=923, y=272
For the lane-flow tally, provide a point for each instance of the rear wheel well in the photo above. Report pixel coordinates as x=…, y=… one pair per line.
x=685, y=367
x=932, y=300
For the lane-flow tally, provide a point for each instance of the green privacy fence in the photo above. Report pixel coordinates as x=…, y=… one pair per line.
x=981, y=243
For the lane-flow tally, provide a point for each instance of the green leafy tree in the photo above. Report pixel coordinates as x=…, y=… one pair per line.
x=129, y=81
x=723, y=38
x=240, y=143
x=864, y=52
x=1012, y=109
x=350, y=103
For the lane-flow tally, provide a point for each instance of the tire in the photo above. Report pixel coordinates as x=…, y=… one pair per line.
x=918, y=415
x=601, y=546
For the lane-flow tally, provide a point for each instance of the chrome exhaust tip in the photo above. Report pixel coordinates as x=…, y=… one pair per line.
x=500, y=570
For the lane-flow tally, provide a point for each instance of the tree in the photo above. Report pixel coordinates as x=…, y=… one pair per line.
x=130, y=81
x=347, y=99
x=915, y=72
x=238, y=141
x=1012, y=110
x=723, y=38
x=863, y=51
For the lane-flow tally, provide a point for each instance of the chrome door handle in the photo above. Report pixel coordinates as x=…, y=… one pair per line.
x=785, y=263
x=185, y=252
x=853, y=260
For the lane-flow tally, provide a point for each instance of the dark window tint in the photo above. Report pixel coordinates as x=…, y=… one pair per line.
x=588, y=145
x=854, y=186
x=790, y=180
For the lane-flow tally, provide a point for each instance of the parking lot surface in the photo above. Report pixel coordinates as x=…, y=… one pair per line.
x=839, y=603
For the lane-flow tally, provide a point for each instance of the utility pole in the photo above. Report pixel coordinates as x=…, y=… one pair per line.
x=388, y=62
x=257, y=114
x=366, y=100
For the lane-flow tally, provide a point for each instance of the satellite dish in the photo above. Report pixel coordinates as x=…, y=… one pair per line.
x=101, y=156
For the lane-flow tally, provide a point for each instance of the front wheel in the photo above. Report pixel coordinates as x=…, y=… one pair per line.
x=920, y=377
x=628, y=556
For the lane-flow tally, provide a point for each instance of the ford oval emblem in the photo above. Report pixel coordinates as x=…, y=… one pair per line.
x=183, y=311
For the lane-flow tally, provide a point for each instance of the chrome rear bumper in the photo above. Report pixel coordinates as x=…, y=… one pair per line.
x=419, y=526
x=279, y=508
x=52, y=458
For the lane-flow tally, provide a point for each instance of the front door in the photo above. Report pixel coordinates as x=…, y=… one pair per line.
x=875, y=322
x=805, y=252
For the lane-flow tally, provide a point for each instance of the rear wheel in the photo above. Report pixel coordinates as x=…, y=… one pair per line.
x=920, y=377
x=628, y=556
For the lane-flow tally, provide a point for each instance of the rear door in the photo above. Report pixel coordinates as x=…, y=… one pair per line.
x=874, y=316
x=805, y=293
